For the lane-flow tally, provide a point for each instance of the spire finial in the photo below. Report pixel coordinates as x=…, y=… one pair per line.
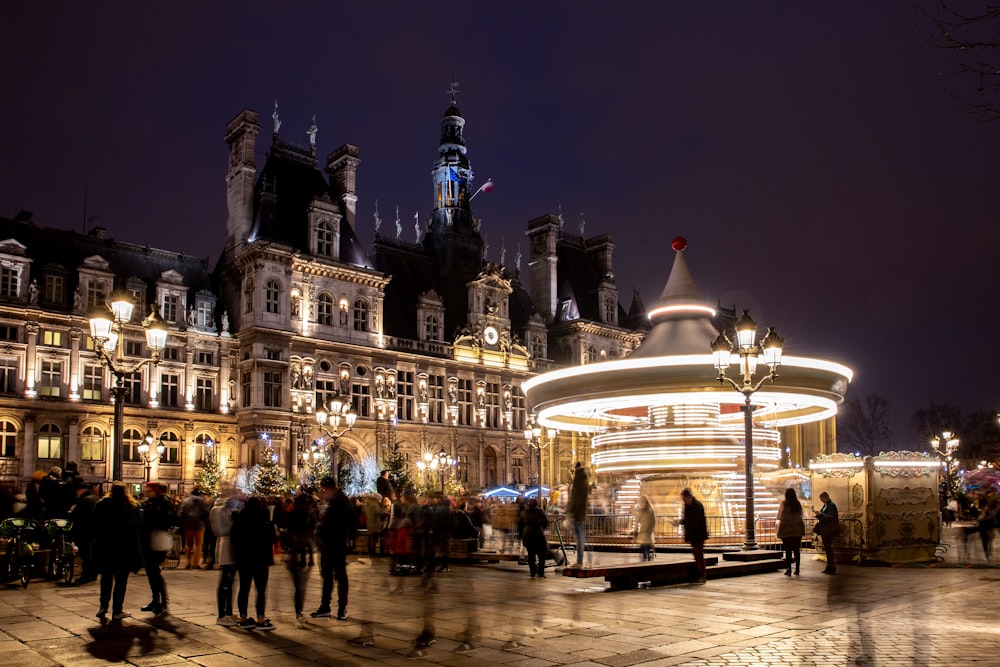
x=583, y=223
x=561, y=221
x=453, y=89
x=378, y=218
x=277, y=121
x=503, y=251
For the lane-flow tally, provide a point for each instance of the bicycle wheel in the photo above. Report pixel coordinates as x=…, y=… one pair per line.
x=52, y=570
x=25, y=573
x=68, y=565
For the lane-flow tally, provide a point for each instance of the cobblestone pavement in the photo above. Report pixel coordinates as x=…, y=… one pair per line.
x=939, y=615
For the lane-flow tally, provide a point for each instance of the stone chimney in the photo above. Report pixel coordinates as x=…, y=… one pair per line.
x=241, y=135
x=342, y=167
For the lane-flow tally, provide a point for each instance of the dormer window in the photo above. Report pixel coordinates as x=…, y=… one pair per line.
x=432, y=328
x=272, y=296
x=10, y=280
x=324, y=239
x=248, y=297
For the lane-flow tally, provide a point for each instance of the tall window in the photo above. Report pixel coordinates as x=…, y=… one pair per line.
x=537, y=347
x=202, y=450
x=50, y=383
x=272, y=389
x=173, y=447
x=53, y=338
x=360, y=315
x=93, y=382
x=8, y=375
x=170, y=307
x=133, y=388
x=324, y=309
x=8, y=438
x=361, y=399
x=245, y=387
x=517, y=401
x=465, y=402
x=95, y=293
x=248, y=297
x=49, y=442
x=324, y=239
x=493, y=419
x=9, y=282
x=432, y=329
x=131, y=439
x=204, y=394
x=54, y=289
x=325, y=390
x=92, y=444
x=517, y=469
x=272, y=295
x=435, y=392
x=404, y=395
x=170, y=384
x=204, y=314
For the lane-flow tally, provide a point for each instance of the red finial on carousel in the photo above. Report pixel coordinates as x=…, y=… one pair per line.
x=679, y=243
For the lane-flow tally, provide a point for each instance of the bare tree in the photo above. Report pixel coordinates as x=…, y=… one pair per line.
x=864, y=425
x=968, y=31
x=935, y=420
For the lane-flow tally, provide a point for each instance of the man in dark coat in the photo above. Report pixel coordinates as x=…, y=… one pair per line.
x=577, y=509
x=828, y=527
x=384, y=486
x=695, y=530
x=532, y=526
x=337, y=527
x=82, y=533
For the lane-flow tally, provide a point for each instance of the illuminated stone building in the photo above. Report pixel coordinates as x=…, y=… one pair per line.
x=427, y=340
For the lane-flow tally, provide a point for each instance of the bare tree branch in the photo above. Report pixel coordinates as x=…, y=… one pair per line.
x=864, y=426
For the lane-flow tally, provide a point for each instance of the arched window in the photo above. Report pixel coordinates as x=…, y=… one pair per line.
x=131, y=439
x=248, y=297
x=272, y=294
x=92, y=444
x=204, y=448
x=360, y=315
x=172, y=443
x=49, y=442
x=8, y=438
x=324, y=239
x=432, y=329
x=324, y=309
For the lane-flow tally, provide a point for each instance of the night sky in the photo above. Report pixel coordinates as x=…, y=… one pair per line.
x=812, y=155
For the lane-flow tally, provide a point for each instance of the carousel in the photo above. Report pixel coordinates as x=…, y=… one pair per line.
x=659, y=417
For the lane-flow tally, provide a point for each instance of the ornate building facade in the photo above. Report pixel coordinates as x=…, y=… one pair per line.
x=428, y=342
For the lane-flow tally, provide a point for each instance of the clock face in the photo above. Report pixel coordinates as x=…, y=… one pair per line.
x=490, y=335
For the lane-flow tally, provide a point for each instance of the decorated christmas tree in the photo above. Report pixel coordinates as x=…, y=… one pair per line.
x=270, y=478
x=395, y=463
x=210, y=475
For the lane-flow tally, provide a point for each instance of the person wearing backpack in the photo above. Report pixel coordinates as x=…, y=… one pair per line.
x=194, y=516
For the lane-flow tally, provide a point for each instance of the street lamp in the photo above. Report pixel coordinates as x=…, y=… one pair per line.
x=336, y=411
x=533, y=435
x=107, y=328
x=144, y=452
x=750, y=354
x=945, y=445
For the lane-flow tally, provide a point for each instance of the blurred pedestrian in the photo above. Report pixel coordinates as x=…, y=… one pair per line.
x=532, y=526
x=384, y=486
x=158, y=520
x=987, y=526
x=336, y=529
x=791, y=529
x=828, y=528
x=373, y=521
x=118, y=551
x=194, y=515
x=253, y=546
x=221, y=518
x=82, y=532
x=695, y=531
x=300, y=524
x=645, y=523
x=578, y=503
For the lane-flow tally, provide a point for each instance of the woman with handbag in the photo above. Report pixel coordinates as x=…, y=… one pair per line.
x=791, y=528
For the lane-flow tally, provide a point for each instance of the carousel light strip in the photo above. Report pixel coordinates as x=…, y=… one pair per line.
x=681, y=308
x=907, y=464
x=668, y=435
x=837, y=465
x=667, y=453
x=655, y=466
x=675, y=360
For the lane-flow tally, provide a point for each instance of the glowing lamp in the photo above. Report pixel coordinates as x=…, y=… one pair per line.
x=122, y=305
x=722, y=349
x=156, y=331
x=101, y=321
x=771, y=347
x=746, y=331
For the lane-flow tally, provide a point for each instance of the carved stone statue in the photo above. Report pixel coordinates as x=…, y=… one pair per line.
x=391, y=387
x=225, y=321
x=33, y=293
x=77, y=300
x=312, y=132
x=277, y=121
x=190, y=316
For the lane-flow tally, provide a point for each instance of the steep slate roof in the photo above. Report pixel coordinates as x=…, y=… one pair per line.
x=47, y=246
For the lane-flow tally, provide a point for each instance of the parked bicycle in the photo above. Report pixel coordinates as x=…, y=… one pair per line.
x=173, y=557
x=62, y=552
x=20, y=555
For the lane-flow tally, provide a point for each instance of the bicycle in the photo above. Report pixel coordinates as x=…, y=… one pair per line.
x=62, y=552
x=172, y=559
x=20, y=554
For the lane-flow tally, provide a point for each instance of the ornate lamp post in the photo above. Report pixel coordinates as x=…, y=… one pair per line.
x=533, y=435
x=336, y=411
x=750, y=354
x=147, y=462
x=945, y=445
x=441, y=463
x=107, y=328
